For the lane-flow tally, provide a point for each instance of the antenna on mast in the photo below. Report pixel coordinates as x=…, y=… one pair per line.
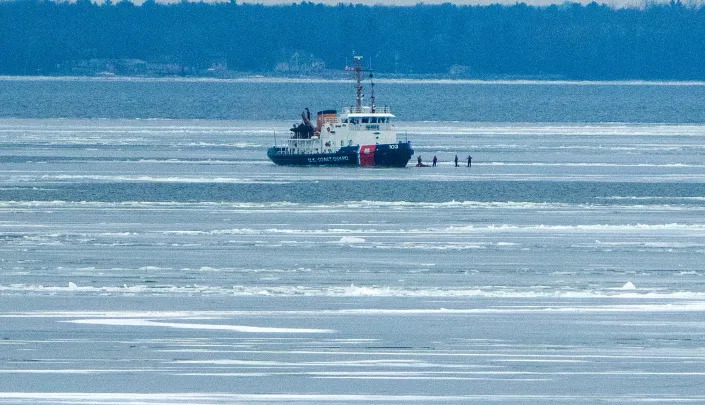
x=372, y=91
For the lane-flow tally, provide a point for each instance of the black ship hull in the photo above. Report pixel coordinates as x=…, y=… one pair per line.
x=385, y=155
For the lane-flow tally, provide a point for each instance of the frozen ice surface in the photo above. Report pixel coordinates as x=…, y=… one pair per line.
x=167, y=261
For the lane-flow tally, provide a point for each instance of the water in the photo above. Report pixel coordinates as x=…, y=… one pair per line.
x=150, y=253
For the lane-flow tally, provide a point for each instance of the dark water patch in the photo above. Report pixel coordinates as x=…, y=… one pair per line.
x=326, y=191
x=420, y=101
x=132, y=158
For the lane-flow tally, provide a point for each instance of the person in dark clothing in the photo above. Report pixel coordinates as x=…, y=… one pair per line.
x=435, y=159
x=469, y=161
x=456, y=160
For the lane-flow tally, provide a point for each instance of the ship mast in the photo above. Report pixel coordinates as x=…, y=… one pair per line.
x=358, y=86
x=357, y=67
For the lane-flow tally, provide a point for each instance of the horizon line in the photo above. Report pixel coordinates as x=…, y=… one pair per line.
x=615, y=4
x=255, y=78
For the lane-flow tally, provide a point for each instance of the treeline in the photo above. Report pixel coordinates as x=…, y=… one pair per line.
x=571, y=41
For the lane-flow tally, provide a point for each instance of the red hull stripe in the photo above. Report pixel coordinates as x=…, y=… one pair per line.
x=367, y=155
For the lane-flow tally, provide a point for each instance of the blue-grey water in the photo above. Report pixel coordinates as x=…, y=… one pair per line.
x=151, y=254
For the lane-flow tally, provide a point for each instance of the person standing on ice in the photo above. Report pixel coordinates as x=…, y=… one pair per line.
x=435, y=159
x=456, y=160
x=469, y=161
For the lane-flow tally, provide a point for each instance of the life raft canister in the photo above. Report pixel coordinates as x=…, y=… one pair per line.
x=367, y=155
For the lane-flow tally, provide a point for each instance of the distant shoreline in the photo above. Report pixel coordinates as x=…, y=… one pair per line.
x=250, y=78
x=518, y=43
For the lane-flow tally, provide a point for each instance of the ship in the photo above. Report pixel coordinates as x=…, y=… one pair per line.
x=359, y=135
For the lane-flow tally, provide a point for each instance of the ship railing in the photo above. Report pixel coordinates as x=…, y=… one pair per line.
x=297, y=146
x=366, y=109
